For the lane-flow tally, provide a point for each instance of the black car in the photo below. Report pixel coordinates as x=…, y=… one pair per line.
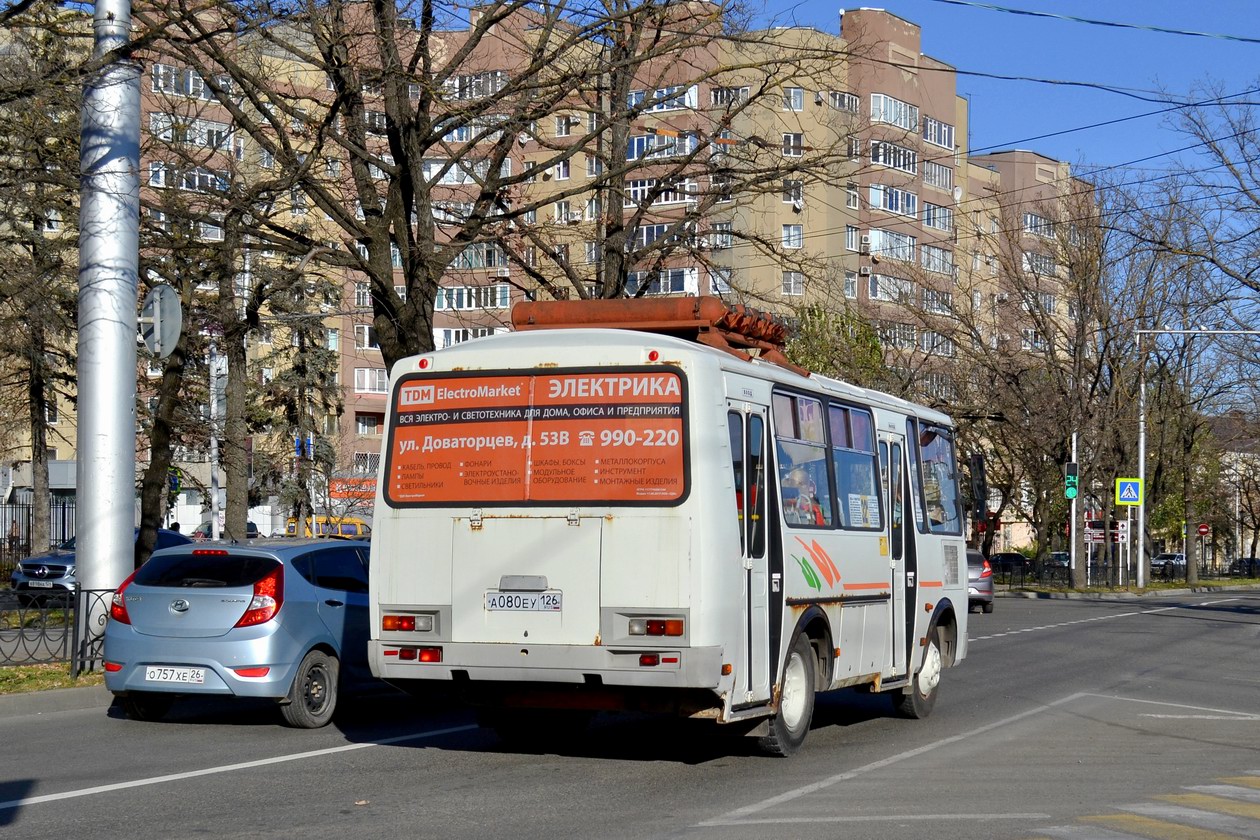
x=1010, y=562
x=1245, y=567
x=205, y=531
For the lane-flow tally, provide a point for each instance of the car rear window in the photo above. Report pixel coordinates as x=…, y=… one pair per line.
x=205, y=570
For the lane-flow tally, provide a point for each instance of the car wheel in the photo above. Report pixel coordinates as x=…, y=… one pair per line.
x=918, y=701
x=312, y=698
x=790, y=725
x=147, y=705
x=988, y=608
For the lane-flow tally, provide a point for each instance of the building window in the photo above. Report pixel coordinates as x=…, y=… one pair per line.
x=936, y=216
x=367, y=424
x=1039, y=264
x=844, y=101
x=938, y=175
x=936, y=259
x=793, y=283
x=793, y=192
x=1031, y=339
x=723, y=97
x=561, y=170
x=886, y=109
x=457, y=298
x=893, y=200
x=851, y=285
x=851, y=198
x=793, y=236
x=938, y=133
x=852, y=237
x=365, y=337
x=793, y=99
x=897, y=246
x=367, y=462
x=1038, y=225
x=449, y=338
x=939, y=303
x=668, y=281
x=891, y=289
x=371, y=381
x=897, y=157
x=935, y=344
x=720, y=280
x=793, y=144
x=902, y=336
x=332, y=339
x=721, y=235
x=672, y=98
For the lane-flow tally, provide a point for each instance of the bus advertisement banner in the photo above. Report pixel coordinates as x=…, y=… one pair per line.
x=590, y=436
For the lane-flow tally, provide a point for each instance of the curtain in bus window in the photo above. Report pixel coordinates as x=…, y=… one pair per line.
x=853, y=456
x=804, y=480
x=940, y=480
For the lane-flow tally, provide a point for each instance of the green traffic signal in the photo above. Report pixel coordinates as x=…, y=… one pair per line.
x=1070, y=480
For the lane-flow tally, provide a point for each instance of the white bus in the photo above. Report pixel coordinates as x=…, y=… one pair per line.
x=609, y=518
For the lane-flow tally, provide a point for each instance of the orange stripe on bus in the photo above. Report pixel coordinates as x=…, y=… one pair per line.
x=935, y=584
x=866, y=586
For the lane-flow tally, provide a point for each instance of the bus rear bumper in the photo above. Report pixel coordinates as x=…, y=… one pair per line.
x=692, y=667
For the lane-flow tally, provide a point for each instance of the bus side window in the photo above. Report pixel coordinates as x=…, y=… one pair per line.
x=756, y=478
x=735, y=429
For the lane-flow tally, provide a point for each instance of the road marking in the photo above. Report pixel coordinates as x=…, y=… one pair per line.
x=983, y=816
x=740, y=815
x=1096, y=618
x=1234, y=826
x=1218, y=804
x=1147, y=827
x=227, y=768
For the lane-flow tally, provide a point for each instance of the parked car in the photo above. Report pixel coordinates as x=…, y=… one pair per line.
x=205, y=532
x=284, y=619
x=1245, y=567
x=1059, y=560
x=1009, y=562
x=55, y=573
x=979, y=582
x=1168, y=566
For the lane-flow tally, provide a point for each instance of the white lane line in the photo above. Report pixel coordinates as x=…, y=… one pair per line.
x=1094, y=618
x=1206, y=709
x=986, y=815
x=1240, y=717
x=739, y=815
x=227, y=768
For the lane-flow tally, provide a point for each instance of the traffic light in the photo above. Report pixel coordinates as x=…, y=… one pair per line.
x=1070, y=478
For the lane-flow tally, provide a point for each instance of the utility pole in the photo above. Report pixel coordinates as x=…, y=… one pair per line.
x=109, y=256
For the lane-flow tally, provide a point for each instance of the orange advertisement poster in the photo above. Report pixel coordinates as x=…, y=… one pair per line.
x=579, y=437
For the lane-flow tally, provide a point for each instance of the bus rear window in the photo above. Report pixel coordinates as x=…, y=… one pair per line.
x=561, y=437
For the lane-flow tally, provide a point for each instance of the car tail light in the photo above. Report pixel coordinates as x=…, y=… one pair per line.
x=118, y=604
x=260, y=671
x=988, y=570
x=113, y=667
x=218, y=552
x=268, y=596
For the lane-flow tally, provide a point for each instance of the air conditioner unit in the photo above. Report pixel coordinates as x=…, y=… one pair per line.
x=501, y=272
x=798, y=205
x=818, y=98
x=864, y=271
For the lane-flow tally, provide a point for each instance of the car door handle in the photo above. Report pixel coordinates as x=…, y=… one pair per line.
x=333, y=602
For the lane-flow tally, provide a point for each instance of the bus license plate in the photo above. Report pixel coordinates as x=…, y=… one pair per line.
x=523, y=601
x=195, y=676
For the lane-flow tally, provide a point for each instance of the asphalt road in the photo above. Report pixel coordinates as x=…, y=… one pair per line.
x=1071, y=718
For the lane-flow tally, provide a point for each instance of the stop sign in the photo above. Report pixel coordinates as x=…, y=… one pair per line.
x=1203, y=530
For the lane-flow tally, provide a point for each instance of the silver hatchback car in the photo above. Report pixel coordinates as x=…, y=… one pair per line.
x=285, y=619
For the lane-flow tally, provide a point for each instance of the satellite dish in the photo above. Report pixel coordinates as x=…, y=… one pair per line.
x=161, y=320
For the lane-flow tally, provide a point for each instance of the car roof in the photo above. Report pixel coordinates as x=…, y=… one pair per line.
x=280, y=548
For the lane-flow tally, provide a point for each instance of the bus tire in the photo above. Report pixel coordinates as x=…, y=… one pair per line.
x=790, y=725
x=312, y=698
x=920, y=696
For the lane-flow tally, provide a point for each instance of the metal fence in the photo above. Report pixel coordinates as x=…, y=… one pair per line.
x=1102, y=576
x=15, y=532
x=48, y=631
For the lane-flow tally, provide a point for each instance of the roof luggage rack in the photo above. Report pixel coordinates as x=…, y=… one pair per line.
x=740, y=330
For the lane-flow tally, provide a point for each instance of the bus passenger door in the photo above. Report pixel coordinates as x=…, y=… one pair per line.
x=903, y=584
x=746, y=424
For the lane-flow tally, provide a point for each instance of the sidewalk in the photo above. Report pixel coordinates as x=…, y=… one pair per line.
x=55, y=700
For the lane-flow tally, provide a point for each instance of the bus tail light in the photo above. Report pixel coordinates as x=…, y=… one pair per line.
x=648, y=660
x=416, y=654
x=656, y=627
x=407, y=623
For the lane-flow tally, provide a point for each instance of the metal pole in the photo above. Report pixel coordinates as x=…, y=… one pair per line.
x=1072, y=527
x=1140, y=560
x=214, y=441
x=109, y=255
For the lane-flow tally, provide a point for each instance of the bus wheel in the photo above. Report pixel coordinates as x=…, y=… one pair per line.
x=790, y=725
x=918, y=701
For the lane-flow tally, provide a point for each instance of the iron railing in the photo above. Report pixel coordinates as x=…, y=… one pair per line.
x=47, y=631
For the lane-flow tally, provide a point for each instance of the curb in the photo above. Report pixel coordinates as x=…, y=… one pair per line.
x=55, y=700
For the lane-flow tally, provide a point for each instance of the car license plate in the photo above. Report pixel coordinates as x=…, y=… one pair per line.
x=41, y=584
x=523, y=601
x=195, y=676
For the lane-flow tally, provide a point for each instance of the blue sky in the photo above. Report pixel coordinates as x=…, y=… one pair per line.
x=1015, y=114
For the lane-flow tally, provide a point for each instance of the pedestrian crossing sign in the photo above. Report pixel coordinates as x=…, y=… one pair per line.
x=1128, y=491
